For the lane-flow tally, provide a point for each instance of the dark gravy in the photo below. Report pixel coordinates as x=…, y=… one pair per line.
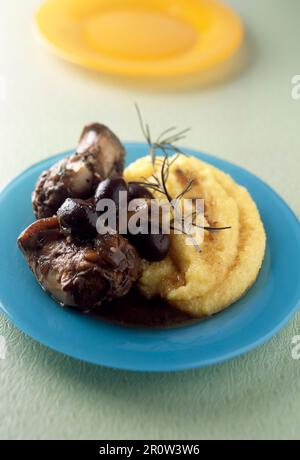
x=135, y=310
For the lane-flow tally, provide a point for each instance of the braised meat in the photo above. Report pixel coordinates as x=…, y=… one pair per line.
x=79, y=273
x=99, y=155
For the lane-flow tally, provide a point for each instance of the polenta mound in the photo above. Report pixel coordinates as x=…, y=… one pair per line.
x=206, y=282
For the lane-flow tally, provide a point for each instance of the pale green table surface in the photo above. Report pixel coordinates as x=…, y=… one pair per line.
x=251, y=120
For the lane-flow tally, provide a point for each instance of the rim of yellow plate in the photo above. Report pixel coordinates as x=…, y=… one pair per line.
x=149, y=38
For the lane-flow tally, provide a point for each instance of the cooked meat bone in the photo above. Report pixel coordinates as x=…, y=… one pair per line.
x=75, y=273
x=99, y=155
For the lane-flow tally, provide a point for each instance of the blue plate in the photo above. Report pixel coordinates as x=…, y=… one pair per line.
x=245, y=325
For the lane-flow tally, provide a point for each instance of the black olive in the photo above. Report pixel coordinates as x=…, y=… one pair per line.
x=78, y=218
x=110, y=189
x=151, y=247
x=135, y=190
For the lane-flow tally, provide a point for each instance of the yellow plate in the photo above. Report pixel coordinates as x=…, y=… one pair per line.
x=153, y=38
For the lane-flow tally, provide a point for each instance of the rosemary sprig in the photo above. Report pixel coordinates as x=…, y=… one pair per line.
x=166, y=143
x=186, y=189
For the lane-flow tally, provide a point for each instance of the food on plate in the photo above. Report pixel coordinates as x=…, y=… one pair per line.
x=110, y=189
x=203, y=283
x=78, y=218
x=79, y=273
x=99, y=155
x=103, y=239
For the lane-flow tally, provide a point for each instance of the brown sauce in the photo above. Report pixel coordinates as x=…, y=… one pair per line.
x=135, y=310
